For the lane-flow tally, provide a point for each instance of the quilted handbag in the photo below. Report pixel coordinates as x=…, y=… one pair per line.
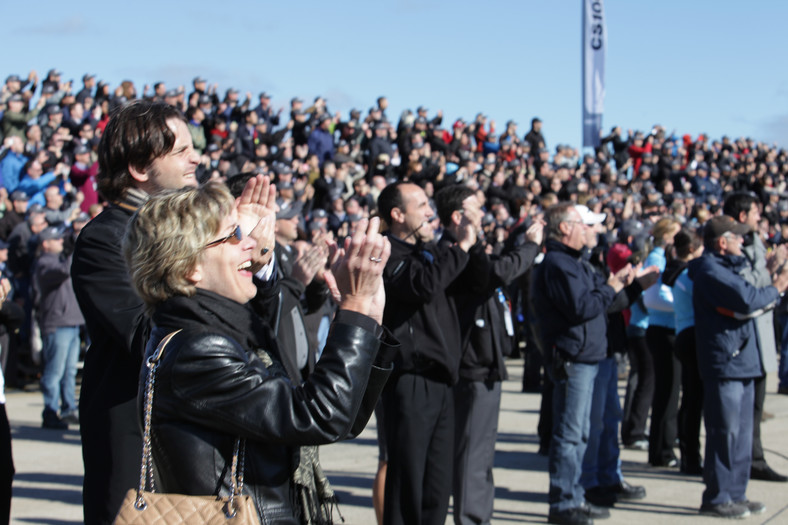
x=148, y=507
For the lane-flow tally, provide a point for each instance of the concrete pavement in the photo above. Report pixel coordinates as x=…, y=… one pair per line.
x=47, y=486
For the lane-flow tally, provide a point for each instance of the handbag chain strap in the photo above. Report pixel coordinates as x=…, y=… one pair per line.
x=146, y=467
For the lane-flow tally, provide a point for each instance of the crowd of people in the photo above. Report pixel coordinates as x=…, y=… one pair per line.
x=480, y=222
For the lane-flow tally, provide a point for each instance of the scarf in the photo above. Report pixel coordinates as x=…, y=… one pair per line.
x=313, y=498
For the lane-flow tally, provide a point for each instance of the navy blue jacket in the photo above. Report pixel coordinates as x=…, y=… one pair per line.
x=727, y=345
x=570, y=301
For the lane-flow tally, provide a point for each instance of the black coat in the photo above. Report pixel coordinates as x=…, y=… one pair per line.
x=114, y=313
x=479, y=294
x=210, y=390
x=419, y=312
x=281, y=306
x=118, y=329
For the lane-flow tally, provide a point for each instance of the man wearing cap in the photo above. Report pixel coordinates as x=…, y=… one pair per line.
x=14, y=85
x=265, y=112
x=726, y=306
x=88, y=85
x=379, y=143
x=57, y=211
x=534, y=136
x=12, y=163
x=573, y=300
x=17, y=115
x=54, y=118
x=83, y=176
x=321, y=142
x=13, y=215
x=59, y=319
x=744, y=208
x=702, y=186
x=20, y=250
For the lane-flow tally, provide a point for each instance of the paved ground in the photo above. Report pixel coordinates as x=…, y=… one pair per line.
x=47, y=487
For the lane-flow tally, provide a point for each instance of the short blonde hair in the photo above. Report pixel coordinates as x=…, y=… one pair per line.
x=166, y=236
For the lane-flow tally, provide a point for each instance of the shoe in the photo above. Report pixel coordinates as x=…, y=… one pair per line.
x=70, y=418
x=54, y=423
x=766, y=416
x=783, y=390
x=640, y=444
x=691, y=468
x=728, y=510
x=625, y=491
x=755, y=507
x=574, y=516
x=600, y=497
x=668, y=463
x=767, y=474
x=594, y=512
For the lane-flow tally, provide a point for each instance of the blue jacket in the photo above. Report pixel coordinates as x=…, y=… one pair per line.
x=682, y=302
x=640, y=314
x=571, y=300
x=727, y=346
x=35, y=187
x=321, y=143
x=11, y=168
x=660, y=305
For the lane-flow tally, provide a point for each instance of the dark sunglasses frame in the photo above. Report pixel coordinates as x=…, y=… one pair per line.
x=237, y=233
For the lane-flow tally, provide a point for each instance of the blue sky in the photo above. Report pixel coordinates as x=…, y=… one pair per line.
x=692, y=66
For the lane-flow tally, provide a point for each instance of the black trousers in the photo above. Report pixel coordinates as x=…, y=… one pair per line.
x=420, y=439
x=691, y=409
x=758, y=459
x=667, y=387
x=6, y=467
x=545, y=425
x=111, y=449
x=640, y=391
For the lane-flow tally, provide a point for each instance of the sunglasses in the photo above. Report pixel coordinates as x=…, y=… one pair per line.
x=236, y=233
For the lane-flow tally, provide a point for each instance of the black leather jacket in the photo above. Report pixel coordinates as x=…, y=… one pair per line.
x=208, y=390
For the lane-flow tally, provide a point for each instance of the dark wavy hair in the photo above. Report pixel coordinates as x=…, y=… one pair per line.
x=136, y=135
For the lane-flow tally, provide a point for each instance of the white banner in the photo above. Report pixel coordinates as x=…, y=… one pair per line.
x=594, y=44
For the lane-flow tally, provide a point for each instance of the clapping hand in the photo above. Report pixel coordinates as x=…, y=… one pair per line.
x=359, y=269
x=257, y=215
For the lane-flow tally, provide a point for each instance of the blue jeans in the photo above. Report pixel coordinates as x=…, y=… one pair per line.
x=602, y=461
x=571, y=422
x=727, y=411
x=58, y=382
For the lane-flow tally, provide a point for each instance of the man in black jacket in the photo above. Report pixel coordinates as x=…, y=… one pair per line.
x=487, y=332
x=418, y=401
x=573, y=301
x=302, y=290
x=145, y=149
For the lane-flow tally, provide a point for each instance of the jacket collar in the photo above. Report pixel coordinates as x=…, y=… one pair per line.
x=734, y=262
x=554, y=245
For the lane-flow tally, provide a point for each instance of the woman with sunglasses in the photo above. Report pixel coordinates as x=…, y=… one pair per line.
x=191, y=262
